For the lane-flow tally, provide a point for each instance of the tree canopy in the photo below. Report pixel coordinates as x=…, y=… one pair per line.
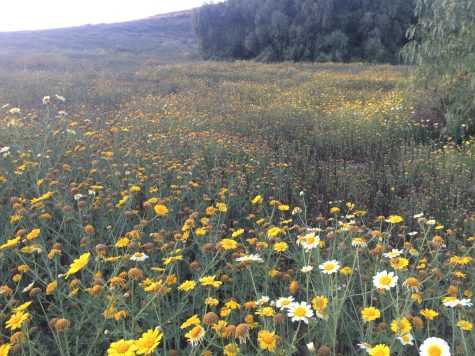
x=443, y=48
x=304, y=30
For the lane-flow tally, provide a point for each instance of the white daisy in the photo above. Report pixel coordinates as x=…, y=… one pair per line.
x=306, y=269
x=434, y=346
x=263, y=300
x=385, y=280
x=309, y=241
x=284, y=302
x=330, y=267
x=393, y=253
x=406, y=339
x=365, y=346
x=139, y=257
x=465, y=302
x=300, y=312
x=250, y=258
x=453, y=302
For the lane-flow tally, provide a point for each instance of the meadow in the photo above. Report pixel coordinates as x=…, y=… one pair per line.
x=210, y=208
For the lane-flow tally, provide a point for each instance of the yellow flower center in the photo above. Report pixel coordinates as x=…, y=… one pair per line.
x=329, y=267
x=148, y=341
x=123, y=348
x=267, y=338
x=434, y=350
x=385, y=280
x=300, y=311
x=195, y=332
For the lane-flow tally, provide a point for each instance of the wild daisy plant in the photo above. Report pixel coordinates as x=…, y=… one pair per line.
x=170, y=224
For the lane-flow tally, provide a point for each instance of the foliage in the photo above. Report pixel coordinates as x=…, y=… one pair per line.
x=304, y=30
x=443, y=47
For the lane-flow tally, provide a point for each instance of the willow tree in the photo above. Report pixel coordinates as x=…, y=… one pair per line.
x=443, y=47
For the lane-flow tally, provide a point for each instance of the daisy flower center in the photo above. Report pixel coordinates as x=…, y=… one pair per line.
x=329, y=267
x=300, y=312
x=434, y=350
x=385, y=280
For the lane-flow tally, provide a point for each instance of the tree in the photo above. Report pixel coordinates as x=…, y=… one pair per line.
x=304, y=30
x=443, y=46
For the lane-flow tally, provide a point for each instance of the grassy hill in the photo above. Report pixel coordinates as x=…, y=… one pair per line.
x=160, y=39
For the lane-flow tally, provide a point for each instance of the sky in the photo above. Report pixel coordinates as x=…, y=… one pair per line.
x=19, y=15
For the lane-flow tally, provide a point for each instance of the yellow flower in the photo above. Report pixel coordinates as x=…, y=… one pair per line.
x=429, y=314
x=416, y=298
x=4, y=349
x=200, y=231
x=281, y=246
x=257, y=200
x=283, y=207
x=122, y=348
x=193, y=320
x=399, y=262
x=43, y=197
x=51, y=287
x=210, y=281
x=122, y=201
x=394, y=219
x=187, y=286
x=457, y=260
x=274, y=231
x=220, y=328
x=10, y=243
x=380, y=350
x=168, y=260
x=401, y=326
x=228, y=244
x=232, y=304
x=134, y=189
x=33, y=234
x=22, y=307
x=149, y=341
x=123, y=242
x=334, y=210
x=195, y=335
x=23, y=268
x=160, y=210
x=16, y=320
x=231, y=350
x=370, y=314
x=78, y=264
x=346, y=271
x=465, y=325
x=266, y=311
x=222, y=207
x=211, y=301
x=237, y=233
x=267, y=340
x=319, y=304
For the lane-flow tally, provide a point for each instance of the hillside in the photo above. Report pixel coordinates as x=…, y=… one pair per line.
x=164, y=38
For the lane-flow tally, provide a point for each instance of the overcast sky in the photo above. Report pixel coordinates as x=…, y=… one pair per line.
x=17, y=15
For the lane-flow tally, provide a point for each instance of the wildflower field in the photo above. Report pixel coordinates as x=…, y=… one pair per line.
x=231, y=209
